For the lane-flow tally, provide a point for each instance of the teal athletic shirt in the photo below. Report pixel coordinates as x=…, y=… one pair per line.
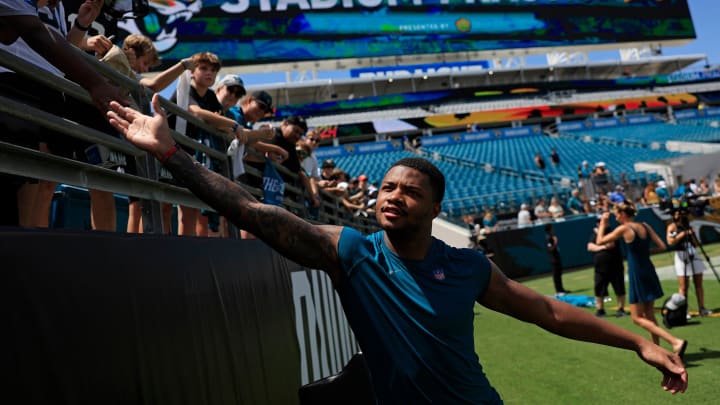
x=414, y=319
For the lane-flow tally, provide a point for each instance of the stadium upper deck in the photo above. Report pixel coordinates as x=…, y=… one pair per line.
x=352, y=90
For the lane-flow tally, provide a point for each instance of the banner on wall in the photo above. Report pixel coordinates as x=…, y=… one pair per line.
x=358, y=149
x=478, y=136
x=614, y=122
x=572, y=126
x=642, y=119
x=420, y=69
x=522, y=131
x=604, y=123
x=178, y=320
x=712, y=112
x=686, y=114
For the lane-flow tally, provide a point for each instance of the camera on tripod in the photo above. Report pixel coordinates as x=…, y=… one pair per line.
x=690, y=204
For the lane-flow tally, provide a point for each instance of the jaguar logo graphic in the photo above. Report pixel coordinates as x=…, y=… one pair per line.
x=161, y=24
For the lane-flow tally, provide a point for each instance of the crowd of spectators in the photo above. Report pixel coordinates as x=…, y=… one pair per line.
x=39, y=34
x=595, y=194
x=356, y=194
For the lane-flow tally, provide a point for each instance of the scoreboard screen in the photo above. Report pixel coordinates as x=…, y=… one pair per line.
x=243, y=32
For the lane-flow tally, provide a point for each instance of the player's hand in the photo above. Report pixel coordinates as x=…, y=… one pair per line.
x=148, y=133
x=675, y=377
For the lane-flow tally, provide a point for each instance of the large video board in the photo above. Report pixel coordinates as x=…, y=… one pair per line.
x=245, y=32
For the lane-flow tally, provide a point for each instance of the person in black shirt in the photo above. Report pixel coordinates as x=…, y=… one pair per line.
x=555, y=157
x=202, y=100
x=551, y=243
x=289, y=133
x=609, y=269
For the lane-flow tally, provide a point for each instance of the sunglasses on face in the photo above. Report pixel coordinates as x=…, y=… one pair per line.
x=315, y=140
x=266, y=108
x=237, y=91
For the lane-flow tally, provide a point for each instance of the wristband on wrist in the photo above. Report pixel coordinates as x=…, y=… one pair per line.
x=80, y=26
x=186, y=64
x=235, y=127
x=167, y=155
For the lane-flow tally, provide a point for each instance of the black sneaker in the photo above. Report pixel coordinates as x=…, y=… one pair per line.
x=600, y=313
x=620, y=313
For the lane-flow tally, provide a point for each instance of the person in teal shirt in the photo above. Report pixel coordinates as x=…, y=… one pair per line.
x=409, y=297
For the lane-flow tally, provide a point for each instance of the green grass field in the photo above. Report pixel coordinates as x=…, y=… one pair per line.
x=530, y=366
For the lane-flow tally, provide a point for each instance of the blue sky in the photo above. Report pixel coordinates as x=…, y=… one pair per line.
x=705, y=15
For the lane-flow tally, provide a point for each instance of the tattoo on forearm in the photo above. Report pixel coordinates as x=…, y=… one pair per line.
x=291, y=236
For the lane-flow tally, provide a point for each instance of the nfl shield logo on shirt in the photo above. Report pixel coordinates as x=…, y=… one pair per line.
x=439, y=274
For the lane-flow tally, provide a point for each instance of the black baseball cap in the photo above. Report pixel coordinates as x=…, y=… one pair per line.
x=263, y=98
x=297, y=120
x=328, y=164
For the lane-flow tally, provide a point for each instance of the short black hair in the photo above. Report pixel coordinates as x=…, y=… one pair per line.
x=437, y=179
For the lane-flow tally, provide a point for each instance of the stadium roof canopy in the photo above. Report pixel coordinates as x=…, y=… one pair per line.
x=316, y=91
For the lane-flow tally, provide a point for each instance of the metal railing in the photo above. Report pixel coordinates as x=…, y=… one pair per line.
x=21, y=161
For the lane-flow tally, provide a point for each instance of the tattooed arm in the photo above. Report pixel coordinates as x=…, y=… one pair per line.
x=310, y=245
x=53, y=47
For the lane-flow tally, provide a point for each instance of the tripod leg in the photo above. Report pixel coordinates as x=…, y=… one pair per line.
x=705, y=255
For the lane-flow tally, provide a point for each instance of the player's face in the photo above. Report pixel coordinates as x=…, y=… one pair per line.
x=404, y=200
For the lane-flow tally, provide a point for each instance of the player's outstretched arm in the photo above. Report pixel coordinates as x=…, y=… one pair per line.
x=310, y=245
x=514, y=299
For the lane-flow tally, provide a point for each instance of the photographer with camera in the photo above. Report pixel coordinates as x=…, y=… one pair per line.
x=681, y=238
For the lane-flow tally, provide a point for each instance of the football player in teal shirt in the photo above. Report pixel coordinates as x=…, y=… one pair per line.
x=408, y=296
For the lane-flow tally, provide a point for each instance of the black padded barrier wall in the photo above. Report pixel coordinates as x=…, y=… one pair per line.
x=125, y=319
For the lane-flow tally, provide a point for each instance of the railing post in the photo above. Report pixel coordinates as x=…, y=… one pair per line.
x=152, y=221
